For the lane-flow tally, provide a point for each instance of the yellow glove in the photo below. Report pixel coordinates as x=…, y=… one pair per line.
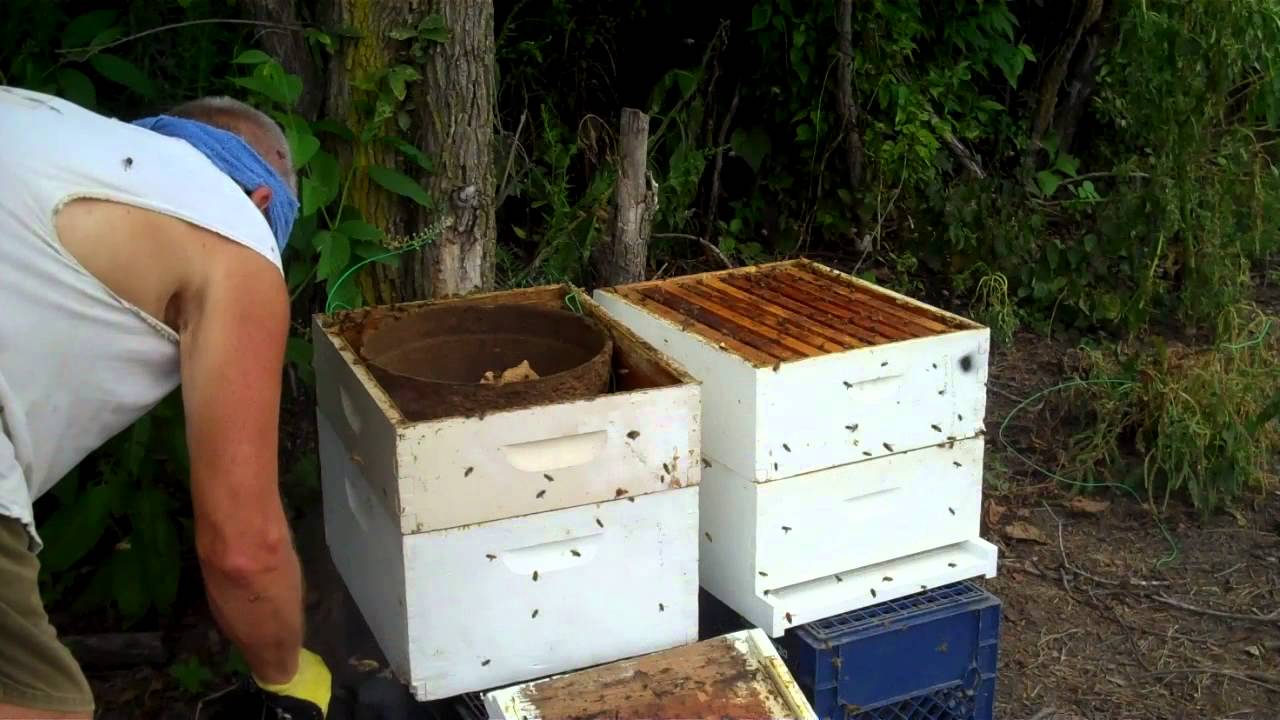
x=308, y=691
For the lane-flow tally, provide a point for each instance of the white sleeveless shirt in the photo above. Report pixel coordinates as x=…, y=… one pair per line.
x=77, y=363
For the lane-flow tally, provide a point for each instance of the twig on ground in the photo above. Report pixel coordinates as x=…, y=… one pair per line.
x=1062, y=548
x=1273, y=616
x=1271, y=682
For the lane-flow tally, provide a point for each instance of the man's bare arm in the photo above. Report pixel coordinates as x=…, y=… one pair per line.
x=234, y=325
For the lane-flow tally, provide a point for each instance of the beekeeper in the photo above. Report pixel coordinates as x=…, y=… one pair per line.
x=134, y=258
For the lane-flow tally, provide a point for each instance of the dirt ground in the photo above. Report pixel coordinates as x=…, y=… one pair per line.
x=1097, y=624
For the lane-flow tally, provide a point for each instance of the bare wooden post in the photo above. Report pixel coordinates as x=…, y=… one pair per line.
x=622, y=258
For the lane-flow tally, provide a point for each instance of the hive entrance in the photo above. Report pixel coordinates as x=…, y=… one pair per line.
x=787, y=311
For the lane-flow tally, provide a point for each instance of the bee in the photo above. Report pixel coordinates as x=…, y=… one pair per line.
x=708, y=536
x=764, y=574
x=786, y=447
x=839, y=579
x=534, y=615
x=575, y=553
x=549, y=478
x=873, y=592
x=633, y=435
x=951, y=564
x=599, y=523
x=788, y=617
x=706, y=463
x=951, y=510
x=619, y=492
x=666, y=468
x=540, y=494
x=953, y=462
x=936, y=428
x=468, y=471
x=485, y=663
x=128, y=163
x=852, y=428
x=662, y=608
x=887, y=446
x=785, y=529
x=887, y=579
x=535, y=576
x=491, y=556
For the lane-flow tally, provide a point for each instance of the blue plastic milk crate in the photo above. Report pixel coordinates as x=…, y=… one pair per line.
x=928, y=656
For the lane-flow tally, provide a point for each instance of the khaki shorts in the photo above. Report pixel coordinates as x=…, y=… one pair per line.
x=36, y=670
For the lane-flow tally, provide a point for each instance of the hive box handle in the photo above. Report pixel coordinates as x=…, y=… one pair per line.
x=555, y=453
x=555, y=555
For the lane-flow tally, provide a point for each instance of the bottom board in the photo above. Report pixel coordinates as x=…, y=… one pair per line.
x=734, y=676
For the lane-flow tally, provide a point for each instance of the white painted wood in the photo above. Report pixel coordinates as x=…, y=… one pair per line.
x=753, y=648
x=458, y=471
x=763, y=541
x=614, y=580
x=366, y=547
x=466, y=470
x=798, y=417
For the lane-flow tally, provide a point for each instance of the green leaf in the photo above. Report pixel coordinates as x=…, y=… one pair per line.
x=252, y=57
x=398, y=77
x=333, y=127
x=399, y=183
x=318, y=36
x=156, y=539
x=804, y=132
x=1067, y=165
x=359, y=230
x=192, y=675
x=74, y=530
x=297, y=274
x=402, y=33
x=121, y=71
x=86, y=27
x=760, y=15
x=77, y=87
x=1048, y=182
x=751, y=145
x=302, y=145
x=298, y=352
x=432, y=28
x=409, y=151
x=322, y=184
x=335, y=253
x=128, y=583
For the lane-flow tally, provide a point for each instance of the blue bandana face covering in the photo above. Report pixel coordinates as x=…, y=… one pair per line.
x=233, y=156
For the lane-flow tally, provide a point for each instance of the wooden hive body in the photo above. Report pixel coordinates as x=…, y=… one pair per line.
x=477, y=547
x=847, y=414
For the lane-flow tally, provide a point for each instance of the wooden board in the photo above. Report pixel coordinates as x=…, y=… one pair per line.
x=733, y=676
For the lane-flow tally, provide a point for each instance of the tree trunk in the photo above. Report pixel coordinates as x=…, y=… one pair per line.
x=364, y=58
x=622, y=258
x=1053, y=79
x=456, y=105
x=290, y=48
x=849, y=106
x=1098, y=41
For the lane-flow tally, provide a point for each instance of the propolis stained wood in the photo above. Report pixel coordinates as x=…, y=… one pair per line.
x=805, y=368
x=642, y=437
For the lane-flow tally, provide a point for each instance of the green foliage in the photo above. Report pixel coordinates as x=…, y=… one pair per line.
x=1199, y=424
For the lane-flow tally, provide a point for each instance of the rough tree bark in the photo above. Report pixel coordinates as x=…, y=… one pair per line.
x=849, y=106
x=1098, y=40
x=362, y=58
x=456, y=101
x=622, y=259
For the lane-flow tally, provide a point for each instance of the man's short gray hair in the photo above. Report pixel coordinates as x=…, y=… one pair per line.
x=256, y=127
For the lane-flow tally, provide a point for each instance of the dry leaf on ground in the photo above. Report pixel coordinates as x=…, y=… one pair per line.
x=1025, y=531
x=1088, y=505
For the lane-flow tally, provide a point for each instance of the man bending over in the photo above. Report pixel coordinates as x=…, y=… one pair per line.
x=134, y=258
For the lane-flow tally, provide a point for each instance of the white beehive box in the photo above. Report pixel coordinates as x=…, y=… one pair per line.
x=489, y=550
x=804, y=368
x=739, y=675
x=792, y=551
x=842, y=434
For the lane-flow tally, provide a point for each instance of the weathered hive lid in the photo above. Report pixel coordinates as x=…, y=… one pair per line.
x=739, y=675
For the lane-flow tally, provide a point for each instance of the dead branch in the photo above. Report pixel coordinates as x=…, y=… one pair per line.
x=848, y=105
x=706, y=245
x=713, y=200
x=1273, y=616
x=967, y=157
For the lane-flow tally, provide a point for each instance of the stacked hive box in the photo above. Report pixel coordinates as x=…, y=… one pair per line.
x=484, y=551
x=842, y=436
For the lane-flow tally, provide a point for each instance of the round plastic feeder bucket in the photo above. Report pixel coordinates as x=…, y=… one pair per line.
x=433, y=362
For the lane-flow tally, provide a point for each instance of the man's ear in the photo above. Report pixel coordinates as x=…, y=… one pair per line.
x=261, y=197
